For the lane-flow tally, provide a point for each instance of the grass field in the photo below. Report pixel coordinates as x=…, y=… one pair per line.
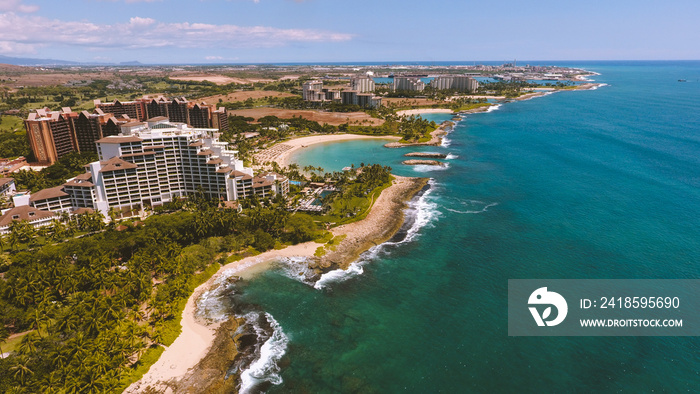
x=11, y=123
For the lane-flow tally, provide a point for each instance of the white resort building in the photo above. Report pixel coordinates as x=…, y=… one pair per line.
x=151, y=163
x=460, y=83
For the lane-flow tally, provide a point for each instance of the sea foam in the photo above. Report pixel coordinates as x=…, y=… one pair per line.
x=493, y=108
x=466, y=206
x=428, y=168
x=339, y=275
x=297, y=268
x=421, y=212
x=265, y=368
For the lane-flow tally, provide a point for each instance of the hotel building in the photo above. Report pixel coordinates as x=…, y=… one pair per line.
x=366, y=100
x=132, y=109
x=460, y=83
x=362, y=84
x=88, y=128
x=408, y=83
x=153, y=162
x=313, y=91
x=50, y=135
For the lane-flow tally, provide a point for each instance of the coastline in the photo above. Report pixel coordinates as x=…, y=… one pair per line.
x=418, y=111
x=435, y=137
x=179, y=365
x=383, y=221
x=282, y=152
x=197, y=336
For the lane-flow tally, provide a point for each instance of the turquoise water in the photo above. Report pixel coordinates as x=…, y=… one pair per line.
x=584, y=184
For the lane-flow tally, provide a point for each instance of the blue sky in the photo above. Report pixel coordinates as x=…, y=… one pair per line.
x=268, y=31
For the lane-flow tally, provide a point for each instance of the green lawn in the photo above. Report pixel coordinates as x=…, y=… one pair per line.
x=12, y=345
x=11, y=123
x=360, y=205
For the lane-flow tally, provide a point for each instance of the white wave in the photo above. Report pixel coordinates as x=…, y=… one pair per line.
x=539, y=95
x=297, y=268
x=427, y=168
x=265, y=368
x=445, y=142
x=598, y=86
x=475, y=205
x=484, y=209
x=212, y=305
x=422, y=212
x=493, y=108
x=339, y=275
x=450, y=156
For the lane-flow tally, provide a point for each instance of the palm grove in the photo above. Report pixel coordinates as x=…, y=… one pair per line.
x=96, y=304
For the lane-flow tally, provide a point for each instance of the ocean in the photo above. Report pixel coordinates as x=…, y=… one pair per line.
x=600, y=184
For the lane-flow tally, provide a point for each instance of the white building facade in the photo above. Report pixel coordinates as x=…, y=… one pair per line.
x=460, y=83
x=363, y=84
x=408, y=83
x=153, y=163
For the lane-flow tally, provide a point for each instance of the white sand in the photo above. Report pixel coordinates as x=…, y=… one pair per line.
x=419, y=111
x=282, y=152
x=196, y=337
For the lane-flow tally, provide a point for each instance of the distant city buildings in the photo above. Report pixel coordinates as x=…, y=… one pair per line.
x=408, y=83
x=362, y=84
x=315, y=92
x=312, y=91
x=460, y=83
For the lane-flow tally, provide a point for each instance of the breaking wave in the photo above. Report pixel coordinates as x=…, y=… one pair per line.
x=265, y=368
x=297, y=268
x=427, y=168
x=598, y=86
x=472, y=206
x=421, y=212
x=493, y=108
x=339, y=275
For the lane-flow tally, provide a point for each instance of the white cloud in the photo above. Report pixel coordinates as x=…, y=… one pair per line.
x=16, y=6
x=30, y=32
x=214, y=58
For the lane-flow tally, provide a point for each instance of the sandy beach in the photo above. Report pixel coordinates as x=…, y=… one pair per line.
x=282, y=152
x=197, y=336
x=410, y=112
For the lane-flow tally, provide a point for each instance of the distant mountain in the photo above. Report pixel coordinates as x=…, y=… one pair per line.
x=131, y=63
x=23, y=61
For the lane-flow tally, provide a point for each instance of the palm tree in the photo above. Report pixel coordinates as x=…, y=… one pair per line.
x=51, y=384
x=28, y=344
x=58, y=358
x=21, y=369
x=4, y=334
x=36, y=320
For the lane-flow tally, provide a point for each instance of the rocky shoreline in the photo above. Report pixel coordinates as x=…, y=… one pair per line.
x=238, y=340
x=378, y=227
x=431, y=155
x=435, y=140
x=423, y=162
